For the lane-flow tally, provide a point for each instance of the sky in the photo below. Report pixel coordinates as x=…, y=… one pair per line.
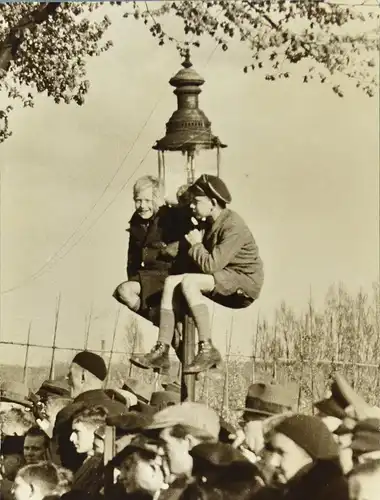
x=302, y=166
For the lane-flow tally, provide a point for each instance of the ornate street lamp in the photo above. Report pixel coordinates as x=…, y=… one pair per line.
x=188, y=131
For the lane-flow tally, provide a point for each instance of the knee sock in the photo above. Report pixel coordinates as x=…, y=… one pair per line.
x=201, y=318
x=167, y=323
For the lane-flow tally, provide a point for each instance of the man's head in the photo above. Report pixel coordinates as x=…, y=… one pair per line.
x=182, y=427
x=87, y=372
x=141, y=466
x=209, y=196
x=52, y=407
x=296, y=442
x=364, y=481
x=84, y=426
x=147, y=195
x=36, y=443
x=35, y=482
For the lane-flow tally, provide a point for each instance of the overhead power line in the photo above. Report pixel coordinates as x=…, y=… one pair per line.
x=57, y=257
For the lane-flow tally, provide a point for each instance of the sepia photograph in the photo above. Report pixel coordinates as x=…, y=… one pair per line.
x=190, y=250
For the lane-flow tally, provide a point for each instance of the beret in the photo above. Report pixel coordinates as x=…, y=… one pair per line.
x=311, y=434
x=92, y=363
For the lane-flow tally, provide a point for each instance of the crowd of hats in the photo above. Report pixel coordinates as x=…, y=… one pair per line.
x=342, y=414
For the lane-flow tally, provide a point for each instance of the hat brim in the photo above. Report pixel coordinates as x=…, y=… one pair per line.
x=330, y=408
x=146, y=409
x=16, y=400
x=138, y=396
x=252, y=411
x=365, y=444
x=343, y=430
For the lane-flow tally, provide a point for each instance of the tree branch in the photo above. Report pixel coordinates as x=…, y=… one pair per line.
x=12, y=42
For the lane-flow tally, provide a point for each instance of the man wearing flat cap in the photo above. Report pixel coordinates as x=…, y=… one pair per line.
x=229, y=271
x=86, y=376
x=304, y=455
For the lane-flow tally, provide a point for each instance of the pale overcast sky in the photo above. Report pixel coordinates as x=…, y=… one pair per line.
x=301, y=163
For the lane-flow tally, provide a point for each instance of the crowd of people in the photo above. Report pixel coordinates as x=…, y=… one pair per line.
x=82, y=438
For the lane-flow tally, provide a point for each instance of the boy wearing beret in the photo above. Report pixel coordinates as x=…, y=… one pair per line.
x=229, y=272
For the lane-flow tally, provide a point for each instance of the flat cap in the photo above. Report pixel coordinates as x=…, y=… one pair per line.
x=221, y=461
x=195, y=415
x=212, y=187
x=129, y=423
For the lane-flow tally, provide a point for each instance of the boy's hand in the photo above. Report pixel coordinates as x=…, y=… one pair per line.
x=194, y=236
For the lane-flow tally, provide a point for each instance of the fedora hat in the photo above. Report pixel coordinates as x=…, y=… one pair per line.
x=59, y=387
x=140, y=389
x=173, y=386
x=160, y=400
x=15, y=392
x=165, y=398
x=270, y=399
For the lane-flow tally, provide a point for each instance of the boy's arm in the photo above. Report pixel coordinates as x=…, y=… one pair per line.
x=231, y=241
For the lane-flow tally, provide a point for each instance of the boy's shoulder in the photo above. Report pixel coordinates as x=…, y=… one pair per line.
x=231, y=218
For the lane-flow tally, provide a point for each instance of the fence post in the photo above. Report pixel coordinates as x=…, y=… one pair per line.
x=52, y=363
x=88, y=326
x=25, y=374
x=113, y=344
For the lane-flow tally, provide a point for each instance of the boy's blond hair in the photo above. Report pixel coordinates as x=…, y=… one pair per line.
x=49, y=478
x=150, y=181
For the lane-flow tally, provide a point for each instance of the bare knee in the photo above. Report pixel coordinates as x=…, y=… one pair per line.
x=171, y=283
x=194, y=284
x=189, y=284
x=127, y=293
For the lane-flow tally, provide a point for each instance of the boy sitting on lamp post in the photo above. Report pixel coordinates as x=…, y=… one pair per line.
x=155, y=231
x=229, y=272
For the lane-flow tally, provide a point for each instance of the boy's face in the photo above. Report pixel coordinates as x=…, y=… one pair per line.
x=201, y=206
x=82, y=437
x=10, y=464
x=144, y=203
x=34, y=449
x=177, y=453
